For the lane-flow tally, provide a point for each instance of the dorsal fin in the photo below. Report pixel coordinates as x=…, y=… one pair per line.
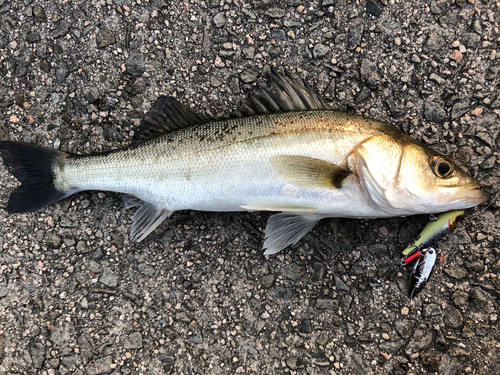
x=283, y=94
x=166, y=115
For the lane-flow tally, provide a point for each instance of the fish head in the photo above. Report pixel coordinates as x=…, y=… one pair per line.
x=404, y=177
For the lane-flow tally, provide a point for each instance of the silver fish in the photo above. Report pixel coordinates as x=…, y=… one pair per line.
x=287, y=152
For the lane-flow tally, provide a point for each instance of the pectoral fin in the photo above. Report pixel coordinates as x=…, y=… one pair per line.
x=287, y=229
x=311, y=172
x=146, y=219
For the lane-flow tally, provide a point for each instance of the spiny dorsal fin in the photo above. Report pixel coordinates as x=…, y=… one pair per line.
x=311, y=172
x=166, y=115
x=284, y=94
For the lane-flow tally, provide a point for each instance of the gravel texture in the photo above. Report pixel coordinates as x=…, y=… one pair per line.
x=198, y=296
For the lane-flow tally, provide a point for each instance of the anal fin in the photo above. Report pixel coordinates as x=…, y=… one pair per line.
x=286, y=229
x=146, y=219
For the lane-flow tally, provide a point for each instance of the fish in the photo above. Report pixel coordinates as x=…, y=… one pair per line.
x=284, y=150
x=422, y=271
x=433, y=231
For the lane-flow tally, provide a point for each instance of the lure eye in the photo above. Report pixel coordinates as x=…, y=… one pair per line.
x=441, y=166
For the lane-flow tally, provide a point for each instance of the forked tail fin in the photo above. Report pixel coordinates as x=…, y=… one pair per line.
x=33, y=167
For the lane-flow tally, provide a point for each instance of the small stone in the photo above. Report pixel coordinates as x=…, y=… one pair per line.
x=219, y=19
x=373, y=8
x=434, y=112
x=456, y=55
x=421, y=339
x=248, y=76
x=37, y=352
x=218, y=62
x=320, y=50
x=105, y=38
x=81, y=247
x=109, y=279
x=485, y=137
x=431, y=360
x=293, y=271
x=249, y=52
x=415, y=58
x=101, y=366
x=63, y=27
x=460, y=298
x=456, y=272
x=146, y=269
x=268, y=280
x=326, y=304
x=14, y=119
x=215, y=82
x=470, y=40
x=135, y=64
x=487, y=164
x=133, y=341
x=33, y=37
x=477, y=111
x=62, y=72
x=319, y=359
x=369, y=72
x=54, y=241
x=354, y=36
x=306, y=326
x=434, y=77
x=3, y=291
x=275, y=13
x=432, y=309
x=39, y=14
x=460, y=108
x=405, y=310
x=340, y=285
x=327, y=3
x=434, y=42
x=452, y=317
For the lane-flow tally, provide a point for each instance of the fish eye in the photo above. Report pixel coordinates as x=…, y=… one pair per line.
x=441, y=166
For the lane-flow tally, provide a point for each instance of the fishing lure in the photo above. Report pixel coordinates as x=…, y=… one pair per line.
x=422, y=271
x=432, y=232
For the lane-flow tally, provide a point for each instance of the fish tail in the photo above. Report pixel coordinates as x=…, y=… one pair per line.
x=33, y=166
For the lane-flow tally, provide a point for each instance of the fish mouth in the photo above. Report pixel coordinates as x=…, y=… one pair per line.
x=470, y=196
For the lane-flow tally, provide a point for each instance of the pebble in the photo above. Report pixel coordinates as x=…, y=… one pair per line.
x=135, y=64
x=373, y=8
x=460, y=108
x=432, y=309
x=248, y=76
x=434, y=112
x=470, y=40
x=39, y=14
x=109, y=279
x=320, y=50
x=105, y=38
x=434, y=42
x=354, y=36
x=456, y=55
x=405, y=311
x=3, y=291
x=146, y=269
x=101, y=366
x=421, y=339
x=477, y=111
x=275, y=13
x=133, y=341
x=452, y=317
x=219, y=19
x=63, y=27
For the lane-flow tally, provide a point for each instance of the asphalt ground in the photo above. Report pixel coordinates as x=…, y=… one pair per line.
x=198, y=296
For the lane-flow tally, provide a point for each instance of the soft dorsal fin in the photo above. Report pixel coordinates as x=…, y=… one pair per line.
x=166, y=115
x=283, y=94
